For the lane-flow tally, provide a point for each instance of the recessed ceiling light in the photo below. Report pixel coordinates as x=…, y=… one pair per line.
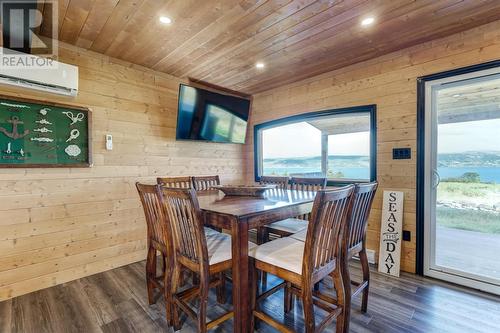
x=165, y=20
x=259, y=65
x=367, y=21
x=457, y=95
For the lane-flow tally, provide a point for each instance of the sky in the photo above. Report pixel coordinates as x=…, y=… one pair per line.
x=483, y=135
x=304, y=140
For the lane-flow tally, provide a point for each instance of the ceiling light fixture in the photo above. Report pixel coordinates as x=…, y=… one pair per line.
x=259, y=65
x=367, y=21
x=165, y=20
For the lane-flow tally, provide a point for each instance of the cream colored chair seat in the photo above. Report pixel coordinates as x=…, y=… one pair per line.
x=286, y=253
x=219, y=248
x=290, y=225
x=210, y=232
x=301, y=235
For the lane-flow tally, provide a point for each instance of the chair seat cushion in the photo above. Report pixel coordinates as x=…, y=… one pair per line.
x=286, y=253
x=301, y=235
x=210, y=231
x=219, y=248
x=290, y=225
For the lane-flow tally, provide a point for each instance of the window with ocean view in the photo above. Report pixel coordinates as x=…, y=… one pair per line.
x=335, y=144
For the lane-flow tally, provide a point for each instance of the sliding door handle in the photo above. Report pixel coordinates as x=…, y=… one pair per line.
x=437, y=178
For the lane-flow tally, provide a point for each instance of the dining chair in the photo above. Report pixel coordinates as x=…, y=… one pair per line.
x=356, y=235
x=182, y=182
x=311, y=184
x=363, y=199
x=205, y=183
x=205, y=256
x=302, y=264
x=158, y=240
x=177, y=182
x=290, y=226
x=280, y=181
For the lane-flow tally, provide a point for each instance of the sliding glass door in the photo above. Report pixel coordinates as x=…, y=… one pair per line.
x=462, y=179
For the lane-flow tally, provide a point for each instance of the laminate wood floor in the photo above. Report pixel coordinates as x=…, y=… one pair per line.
x=116, y=301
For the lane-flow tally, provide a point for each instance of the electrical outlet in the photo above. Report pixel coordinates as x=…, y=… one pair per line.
x=401, y=153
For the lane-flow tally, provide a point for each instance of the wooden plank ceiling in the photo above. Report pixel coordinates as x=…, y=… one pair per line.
x=220, y=41
x=479, y=100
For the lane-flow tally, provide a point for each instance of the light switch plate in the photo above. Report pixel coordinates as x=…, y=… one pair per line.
x=109, y=142
x=401, y=153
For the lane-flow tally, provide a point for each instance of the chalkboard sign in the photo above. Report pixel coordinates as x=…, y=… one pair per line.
x=37, y=134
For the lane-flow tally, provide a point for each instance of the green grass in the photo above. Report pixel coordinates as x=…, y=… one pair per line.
x=472, y=220
x=464, y=191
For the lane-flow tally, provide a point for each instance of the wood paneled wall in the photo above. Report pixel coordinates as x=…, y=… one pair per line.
x=390, y=82
x=61, y=224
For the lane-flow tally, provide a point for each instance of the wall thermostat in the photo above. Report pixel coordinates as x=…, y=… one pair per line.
x=109, y=142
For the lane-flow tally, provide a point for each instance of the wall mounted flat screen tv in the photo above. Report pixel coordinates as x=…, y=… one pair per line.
x=207, y=116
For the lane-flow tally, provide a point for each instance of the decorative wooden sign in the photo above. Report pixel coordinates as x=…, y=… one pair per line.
x=36, y=134
x=390, y=233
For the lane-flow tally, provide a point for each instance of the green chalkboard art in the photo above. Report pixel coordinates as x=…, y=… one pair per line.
x=34, y=134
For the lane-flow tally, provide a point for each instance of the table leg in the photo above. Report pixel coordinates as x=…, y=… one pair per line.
x=240, y=274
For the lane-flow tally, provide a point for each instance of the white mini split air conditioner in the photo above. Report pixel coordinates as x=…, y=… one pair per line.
x=59, y=78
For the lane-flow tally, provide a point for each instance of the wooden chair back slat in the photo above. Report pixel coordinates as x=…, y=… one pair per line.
x=325, y=232
x=363, y=199
x=185, y=220
x=205, y=183
x=307, y=184
x=157, y=227
x=175, y=182
x=281, y=182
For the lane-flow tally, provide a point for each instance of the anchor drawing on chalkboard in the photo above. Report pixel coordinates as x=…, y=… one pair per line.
x=14, y=134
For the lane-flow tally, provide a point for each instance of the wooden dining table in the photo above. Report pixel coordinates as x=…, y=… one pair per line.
x=239, y=214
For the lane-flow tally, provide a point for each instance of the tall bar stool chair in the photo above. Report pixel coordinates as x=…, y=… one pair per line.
x=205, y=183
x=356, y=238
x=363, y=199
x=206, y=256
x=182, y=182
x=158, y=241
x=176, y=182
x=302, y=264
x=289, y=226
x=308, y=184
x=281, y=182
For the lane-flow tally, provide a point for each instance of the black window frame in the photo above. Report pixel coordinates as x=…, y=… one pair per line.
x=370, y=109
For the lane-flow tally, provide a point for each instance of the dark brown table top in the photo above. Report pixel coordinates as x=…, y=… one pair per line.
x=240, y=206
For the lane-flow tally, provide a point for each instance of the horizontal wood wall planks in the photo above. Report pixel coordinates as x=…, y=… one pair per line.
x=219, y=41
x=390, y=82
x=58, y=225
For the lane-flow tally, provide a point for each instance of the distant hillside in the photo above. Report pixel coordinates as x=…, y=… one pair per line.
x=353, y=161
x=469, y=159
x=456, y=160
